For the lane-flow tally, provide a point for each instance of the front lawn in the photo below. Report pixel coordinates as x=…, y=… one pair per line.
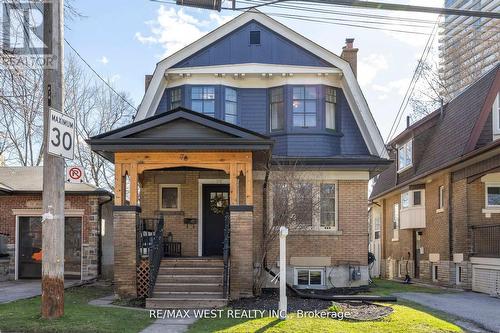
x=24, y=315
x=386, y=288
x=404, y=319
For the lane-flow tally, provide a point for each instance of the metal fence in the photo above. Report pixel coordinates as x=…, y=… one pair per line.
x=486, y=240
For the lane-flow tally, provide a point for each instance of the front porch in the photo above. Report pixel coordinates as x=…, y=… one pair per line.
x=196, y=174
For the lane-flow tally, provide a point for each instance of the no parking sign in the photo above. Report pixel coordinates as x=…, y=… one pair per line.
x=74, y=174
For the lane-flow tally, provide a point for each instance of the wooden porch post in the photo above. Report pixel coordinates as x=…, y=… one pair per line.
x=133, y=184
x=233, y=184
x=119, y=184
x=249, y=184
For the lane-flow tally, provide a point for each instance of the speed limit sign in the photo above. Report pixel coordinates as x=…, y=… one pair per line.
x=61, y=134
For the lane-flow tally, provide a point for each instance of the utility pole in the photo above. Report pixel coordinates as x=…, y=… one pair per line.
x=53, y=168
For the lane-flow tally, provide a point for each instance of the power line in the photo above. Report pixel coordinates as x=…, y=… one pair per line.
x=411, y=86
x=394, y=7
x=99, y=76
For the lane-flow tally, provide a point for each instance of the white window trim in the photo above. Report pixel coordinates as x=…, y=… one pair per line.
x=160, y=201
x=409, y=165
x=440, y=199
x=411, y=197
x=316, y=218
x=486, y=205
x=395, y=231
x=309, y=269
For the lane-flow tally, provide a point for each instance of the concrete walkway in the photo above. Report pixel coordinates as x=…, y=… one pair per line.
x=480, y=309
x=170, y=325
x=15, y=290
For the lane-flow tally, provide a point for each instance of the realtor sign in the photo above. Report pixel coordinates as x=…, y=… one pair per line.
x=61, y=134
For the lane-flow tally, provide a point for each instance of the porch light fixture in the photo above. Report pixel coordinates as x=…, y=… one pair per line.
x=204, y=4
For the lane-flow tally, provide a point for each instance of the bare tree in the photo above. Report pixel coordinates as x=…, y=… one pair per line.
x=466, y=53
x=294, y=202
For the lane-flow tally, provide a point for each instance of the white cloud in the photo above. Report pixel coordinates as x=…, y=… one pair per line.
x=370, y=66
x=173, y=29
x=104, y=60
x=397, y=86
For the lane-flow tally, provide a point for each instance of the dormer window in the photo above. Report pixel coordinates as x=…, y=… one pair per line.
x=405, y=155
x=496, y=118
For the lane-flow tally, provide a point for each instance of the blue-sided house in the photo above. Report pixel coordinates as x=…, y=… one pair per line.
x=250, y=127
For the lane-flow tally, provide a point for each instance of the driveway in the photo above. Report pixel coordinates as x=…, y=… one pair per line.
x=14, y=290
x=478, y=308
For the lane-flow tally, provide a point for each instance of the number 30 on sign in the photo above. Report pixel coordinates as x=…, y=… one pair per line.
x=61, y=134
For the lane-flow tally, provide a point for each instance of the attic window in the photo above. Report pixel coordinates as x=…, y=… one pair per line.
x=255, y=37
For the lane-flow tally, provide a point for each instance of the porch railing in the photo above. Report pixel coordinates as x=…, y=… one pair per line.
x=155, y=255
x=225, y=254
x=486, y=240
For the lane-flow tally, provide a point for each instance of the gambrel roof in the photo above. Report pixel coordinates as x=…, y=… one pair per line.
x=349, y=83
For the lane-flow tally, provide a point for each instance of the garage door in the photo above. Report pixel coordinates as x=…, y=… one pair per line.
x=486, y=279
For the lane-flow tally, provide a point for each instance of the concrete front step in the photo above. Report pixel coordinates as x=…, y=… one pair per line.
x=191, y=270
x=169, y=278
x=192, y=262
x=185, y=302
x=174, y=294
x=189, y=287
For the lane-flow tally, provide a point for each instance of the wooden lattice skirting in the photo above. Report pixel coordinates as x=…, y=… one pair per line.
x=143, y=278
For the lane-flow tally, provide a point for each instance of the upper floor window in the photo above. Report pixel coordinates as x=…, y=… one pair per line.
x=255, y=37
x=405, y=200
x=395, y=216
x=405, y=155
x=203, y=100
x=230, y=109
x=496, y=117
x=330, y=103
x=304, y=106
x=277, y=109
x=441, y=197
x=411, y=199
x=175, y=98
x=417, y=198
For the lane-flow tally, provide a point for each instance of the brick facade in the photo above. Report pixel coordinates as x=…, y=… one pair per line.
x=464, y=201
x=31, y=204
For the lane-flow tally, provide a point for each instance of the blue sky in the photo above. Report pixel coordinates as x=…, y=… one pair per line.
x=123, y=41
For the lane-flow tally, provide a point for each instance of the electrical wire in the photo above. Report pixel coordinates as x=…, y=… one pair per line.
x=98, y=75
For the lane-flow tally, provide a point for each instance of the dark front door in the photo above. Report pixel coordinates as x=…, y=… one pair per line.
x=215, y=199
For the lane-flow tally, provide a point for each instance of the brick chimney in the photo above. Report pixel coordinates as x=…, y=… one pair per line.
x=147, y=81
x=350, y=54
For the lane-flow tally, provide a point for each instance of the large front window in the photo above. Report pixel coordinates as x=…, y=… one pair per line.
x=405, y=155
x=277, y=109
x=304, y=106
x=230, y=111
x=327, y=205
x=203, y=100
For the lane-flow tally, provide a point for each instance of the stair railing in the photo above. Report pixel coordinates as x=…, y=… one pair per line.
x=155, y=255
x=225, y=254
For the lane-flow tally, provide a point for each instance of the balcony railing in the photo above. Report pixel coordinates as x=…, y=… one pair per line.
x=412, y=217
x=486, y=240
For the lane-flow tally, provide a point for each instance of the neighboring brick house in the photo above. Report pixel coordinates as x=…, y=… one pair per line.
x=20, y=226
x=220, y=120
x=439, y=202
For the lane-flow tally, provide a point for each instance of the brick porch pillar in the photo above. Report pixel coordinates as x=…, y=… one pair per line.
x=241, y=273
x=125, y=259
